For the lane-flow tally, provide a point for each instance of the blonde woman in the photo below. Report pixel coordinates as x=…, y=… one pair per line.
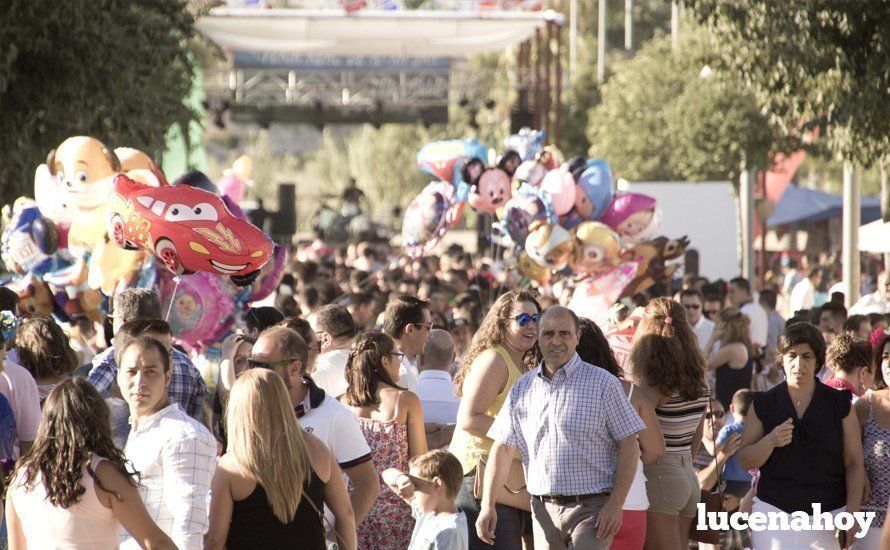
x=503, y=349
x=271, y=486
x=731, y=362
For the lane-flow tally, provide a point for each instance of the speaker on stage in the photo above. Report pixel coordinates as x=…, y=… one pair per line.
x=284, y=222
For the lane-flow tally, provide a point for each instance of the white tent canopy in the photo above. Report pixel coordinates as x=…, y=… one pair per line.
x=371, y=33
x=875, y=237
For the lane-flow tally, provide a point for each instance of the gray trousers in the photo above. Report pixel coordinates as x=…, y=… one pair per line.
x=570, y=526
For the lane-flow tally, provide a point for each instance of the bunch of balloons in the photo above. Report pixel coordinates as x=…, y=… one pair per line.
x=561, y=217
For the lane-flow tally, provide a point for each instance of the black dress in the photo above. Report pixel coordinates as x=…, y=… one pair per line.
x=254, y=525
x=811, y=468
x=728, y=380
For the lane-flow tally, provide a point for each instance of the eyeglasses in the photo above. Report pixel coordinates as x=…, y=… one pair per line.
x=715, y=414
x=523, y=319
x=692, y=306
x=254, y=364
x=398, y=355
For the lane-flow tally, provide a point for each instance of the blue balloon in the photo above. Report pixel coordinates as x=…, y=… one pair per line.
x=595, y=189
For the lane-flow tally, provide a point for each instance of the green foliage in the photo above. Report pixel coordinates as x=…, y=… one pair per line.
x=117, y=70
x=663, y=118
x=812, y=63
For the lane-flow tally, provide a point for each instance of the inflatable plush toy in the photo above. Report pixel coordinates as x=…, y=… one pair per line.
x=652, y=257
x=492, y=191
x=533, y=271
x=549, y=245
x=29, y=241
x=633, y=216
x=560, y=186
x=531, y=172
x=77, y=299
x=597, y=249
x=187, y=228
x=527, y=143
x=140, y=167
x=35, y=297
x=509, y=162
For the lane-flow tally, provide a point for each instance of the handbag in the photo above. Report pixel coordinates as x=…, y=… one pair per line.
x=513, y=493
x=713, y=501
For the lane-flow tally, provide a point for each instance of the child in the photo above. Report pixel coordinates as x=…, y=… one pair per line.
x=431, y=487
x=738, y=481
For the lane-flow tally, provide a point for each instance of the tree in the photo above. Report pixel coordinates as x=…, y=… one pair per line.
x=812, y=63
x=113, y=69
x=667, y=116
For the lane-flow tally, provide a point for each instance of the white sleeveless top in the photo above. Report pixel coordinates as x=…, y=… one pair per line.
x=636, y=496
x=86, y=524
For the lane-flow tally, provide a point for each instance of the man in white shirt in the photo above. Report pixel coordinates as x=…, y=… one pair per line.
x=802, y=294
x=693, y=302
x=335, y=329
x=174, y=453
x=285, y=352
x=876, y=302
x=740, y=296
x=436, y=389
x=407, y=320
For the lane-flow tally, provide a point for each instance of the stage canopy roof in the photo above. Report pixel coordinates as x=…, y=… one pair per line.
x=808, y=205
x=418, y=33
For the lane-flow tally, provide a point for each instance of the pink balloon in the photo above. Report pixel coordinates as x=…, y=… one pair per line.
x=560, y=185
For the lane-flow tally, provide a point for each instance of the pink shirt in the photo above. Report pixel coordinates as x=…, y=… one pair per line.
x=19, y=388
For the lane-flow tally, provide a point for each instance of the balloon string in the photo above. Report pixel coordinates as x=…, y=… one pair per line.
x=177, y=279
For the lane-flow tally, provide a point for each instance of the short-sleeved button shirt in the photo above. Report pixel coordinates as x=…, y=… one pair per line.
x=567, y=428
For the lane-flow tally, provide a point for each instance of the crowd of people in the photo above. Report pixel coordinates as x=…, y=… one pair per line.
x=379, y=402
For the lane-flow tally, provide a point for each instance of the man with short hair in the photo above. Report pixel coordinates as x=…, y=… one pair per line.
x=775, y=326
x=283, y=351
x=576, y=432
x=740, y=296
x=335, y=330
x=407, y=320
x=187, y=386
x=693, y=302
x=878, y=301
x=174, y=454
x=436, y=389
x=801, y=297
x=831, y=317
x=712, y=308
x=361, y=306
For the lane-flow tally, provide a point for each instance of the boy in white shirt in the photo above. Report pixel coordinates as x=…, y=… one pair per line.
x=431, y=487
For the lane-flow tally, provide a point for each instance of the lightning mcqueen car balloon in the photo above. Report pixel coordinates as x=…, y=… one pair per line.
x=189, y=229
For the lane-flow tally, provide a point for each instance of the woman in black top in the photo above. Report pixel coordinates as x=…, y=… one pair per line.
x=804, y=437
x=731, y=361
x=271, y=486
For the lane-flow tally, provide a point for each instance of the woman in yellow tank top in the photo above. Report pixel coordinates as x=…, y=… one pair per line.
x=503, y=349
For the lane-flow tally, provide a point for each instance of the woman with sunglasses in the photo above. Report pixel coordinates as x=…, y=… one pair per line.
x=503, y=349
x=391, y=419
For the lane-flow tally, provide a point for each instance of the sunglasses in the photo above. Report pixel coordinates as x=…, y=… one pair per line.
x=692, y=306
x=523, y=319
x=254, y=364
x=715, y=414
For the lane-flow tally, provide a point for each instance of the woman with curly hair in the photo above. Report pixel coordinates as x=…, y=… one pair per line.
x=669, y=367
x=593, y=348
x=73, y=488
x=44, y=350
x=503, y=349
x=391, y=419
x=731, y=362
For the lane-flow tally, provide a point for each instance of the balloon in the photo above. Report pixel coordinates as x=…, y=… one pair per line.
x=29, y=241
x=549, y=245
x=651, y=257
x=187, y=228
x=493, y=190
x=509, y=162
x=551, y=157
x=425, y=218
x=527, y=206
x=561, y=187
x=444, y=159
x=50, y=199
x=594, y=296
x=270, y=275
x=76, y=297
x=634, y=216
x=139, y=166
x=201, y=307
x=35, y=297
x=597, y=249
x=84, y=170
x=531, y=172
x=113, y=268
x=232, y=186
x=533, y=271
x=527, y=142
x=593, y=192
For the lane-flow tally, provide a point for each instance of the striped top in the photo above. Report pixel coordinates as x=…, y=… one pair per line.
x=678, y=419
